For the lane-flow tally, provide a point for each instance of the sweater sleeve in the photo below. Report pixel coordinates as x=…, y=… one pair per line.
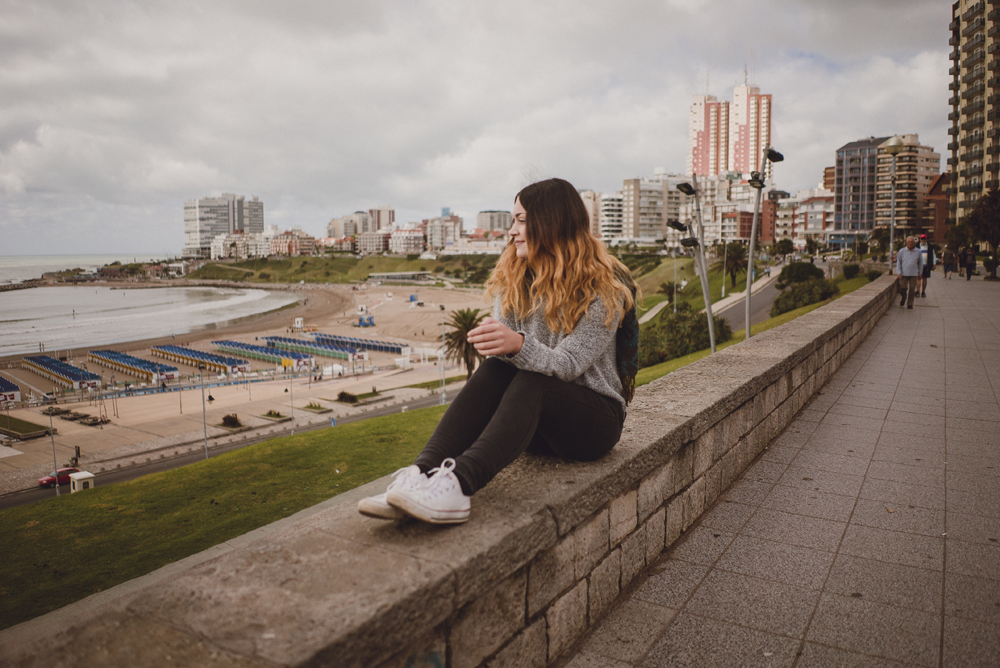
x=574, y=353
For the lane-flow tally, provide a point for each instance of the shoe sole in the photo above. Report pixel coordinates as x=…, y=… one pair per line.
x=425, y=514
x=370, y=508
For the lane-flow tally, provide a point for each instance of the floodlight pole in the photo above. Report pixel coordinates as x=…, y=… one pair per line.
x=757, y=182
x=703, y=264
x=441, y=359
x=675, y=282
x=204, y=418
x=52, y=435
x=892, y=147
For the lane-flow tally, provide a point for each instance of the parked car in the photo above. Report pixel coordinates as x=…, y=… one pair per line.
x=50, y=479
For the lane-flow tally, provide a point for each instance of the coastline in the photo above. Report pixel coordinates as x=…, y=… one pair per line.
x=317, y=302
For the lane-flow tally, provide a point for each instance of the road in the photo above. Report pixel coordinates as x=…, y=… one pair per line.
x=121, y=475
x=760, y=308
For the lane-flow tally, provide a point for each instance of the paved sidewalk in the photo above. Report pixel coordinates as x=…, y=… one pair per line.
x=867, y=534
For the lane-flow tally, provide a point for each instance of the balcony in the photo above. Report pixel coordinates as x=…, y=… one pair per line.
x=952, y=115
x=954, y=25
x=993, y=167
x=993, y=47
x=994, y=14
x=991, y=184
x=953, y=130
x=954, y=40
x=953, y=146
x=971, y=155
x=952, y=161
x=973, y=11
x=973, y=107
x=994, y=30
x=974, y=90
x=974, y=58
x=974, y=74
x=973, y=139
x=953, y=101
x=973, y=123
x=973, y=43
x=993, y=115
x=993, y=150
x=973, y=26
x=953, y=85
x=953, y=70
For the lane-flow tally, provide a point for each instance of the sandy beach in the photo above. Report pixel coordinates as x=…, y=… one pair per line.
x=170, y=424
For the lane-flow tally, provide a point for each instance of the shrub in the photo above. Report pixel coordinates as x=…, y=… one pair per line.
x=803, y=294
x=678, y=335
x=851, y=271
x=873, y=274
x=413, y=256
x=231, y=421
x=264, y=275
x=313, y=406
x=798, y=272
x=347, y=398
x=438, y=269
x=273, y=414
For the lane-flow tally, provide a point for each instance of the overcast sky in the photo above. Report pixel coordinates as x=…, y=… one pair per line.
x=112, y=114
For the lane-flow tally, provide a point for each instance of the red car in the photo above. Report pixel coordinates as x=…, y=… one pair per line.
x=50, y=479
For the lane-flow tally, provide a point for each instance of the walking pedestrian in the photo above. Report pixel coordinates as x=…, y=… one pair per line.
x=960, y=258
x=948, y=262
x=970, y=262
x=909, y=267
x=928, y=258
x=559, y=371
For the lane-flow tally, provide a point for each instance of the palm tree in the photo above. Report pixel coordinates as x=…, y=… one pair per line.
x=456, y=342
x=736, y=260
x=668, y=288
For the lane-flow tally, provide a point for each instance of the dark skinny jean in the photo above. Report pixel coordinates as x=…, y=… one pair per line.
x=503, y=411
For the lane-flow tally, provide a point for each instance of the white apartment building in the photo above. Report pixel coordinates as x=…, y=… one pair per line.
x=406, y=242
x=207, y=218
x=373, y=243
x=489, y=221
x=611, y=216
x=642, y=209
x=381, y=218
x=813, y=219
x=349, y=225
x=443, y=232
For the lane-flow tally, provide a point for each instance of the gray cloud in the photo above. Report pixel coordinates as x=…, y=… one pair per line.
x=114, y=113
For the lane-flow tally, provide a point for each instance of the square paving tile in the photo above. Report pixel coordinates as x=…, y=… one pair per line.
x=972, y=597
x=748, y=491
x=925, y=420
x=840, y=420
x=834, y=463
x=959, y=435
x=821, y=656
x=904, y=440
x=882, y=582
x=974, y=528
x=983, y=485
x=701, y=545
x=867, y=412
x=822, y=481
x=894, y=547
x=727, y=515
x=780, y=454
x=895, y=494
x=763, y=471
x=768, y=606
x=988, y=465
x=629, y=630
x=913, y=426
x=912, y=475
x=670, y=582
x=971, y=503
x=889, y=632
x=798, y=530
x=588, y=660
x=810, y=415
x=973, y=559
x=843, y=448
x=927, y=407
x=929, y=457
x=697, y=642
x=810, y=502
x=881, y=515
x=984, y=427
x=970, y=643
x=790, y=564
x=974, y=411
x=843, y=434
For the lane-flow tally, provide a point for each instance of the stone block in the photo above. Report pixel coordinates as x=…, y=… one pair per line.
x=713, y=484
x=697, y=493
x=633, y=550
x=428, y=653
x=704, y=453
x=528, y=649
x=654, y=489
x=552, y=572
x=566, y=620
x=622, y=515
x=655, y=531
x=683, y=467
x=757, y=411
x=674, y=520
x=488, y=622
x=605, y=583
x=591, y=543
x=730, y=469
x=726, y=434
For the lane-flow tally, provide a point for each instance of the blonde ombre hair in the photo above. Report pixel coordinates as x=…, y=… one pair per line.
x=566, y=267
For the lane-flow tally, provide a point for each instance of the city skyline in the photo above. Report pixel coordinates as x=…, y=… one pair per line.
x=116, y=114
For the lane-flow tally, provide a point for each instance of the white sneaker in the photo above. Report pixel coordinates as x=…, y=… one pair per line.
x=376, y=506
x=439, y=501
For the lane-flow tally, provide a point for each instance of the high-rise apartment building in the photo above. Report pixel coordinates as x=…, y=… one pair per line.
x=728, y=136
x=708, y=134
x=642, y=208
x=207, y=218
x=916, y=169
x=381, y=218
x=749, y=128
x=611, y=215
x=975, y=108
x=592, y=203
x=854, y=189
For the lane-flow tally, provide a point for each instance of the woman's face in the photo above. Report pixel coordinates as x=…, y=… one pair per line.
x=519, y=231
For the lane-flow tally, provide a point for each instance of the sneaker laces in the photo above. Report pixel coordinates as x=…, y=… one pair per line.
x=438, y=481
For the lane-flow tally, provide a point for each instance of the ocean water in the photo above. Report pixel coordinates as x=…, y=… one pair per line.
x=59, y=318
x=18, y=268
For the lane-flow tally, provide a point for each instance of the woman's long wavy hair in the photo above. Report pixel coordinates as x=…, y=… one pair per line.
x=566, y=267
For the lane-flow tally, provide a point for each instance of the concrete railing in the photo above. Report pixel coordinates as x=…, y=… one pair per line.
x=546, y=552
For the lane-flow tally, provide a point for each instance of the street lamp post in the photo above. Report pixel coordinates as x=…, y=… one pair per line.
x=757, y=182
x=699, y=244
x=893, y=148
x=441, y=359
x=55, y=464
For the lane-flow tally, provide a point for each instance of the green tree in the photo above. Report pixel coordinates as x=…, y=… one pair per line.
x=668, y=288
x=785, y=247
x=736, y=260
x=811, y=245
x=984, y=224
x=456, y=342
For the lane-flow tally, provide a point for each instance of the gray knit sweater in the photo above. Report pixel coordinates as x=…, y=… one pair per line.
x=585, y=357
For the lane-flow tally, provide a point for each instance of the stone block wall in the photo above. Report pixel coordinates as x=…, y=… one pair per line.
x=549, y=546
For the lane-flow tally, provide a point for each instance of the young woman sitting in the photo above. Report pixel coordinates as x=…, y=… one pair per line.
x=559, y=369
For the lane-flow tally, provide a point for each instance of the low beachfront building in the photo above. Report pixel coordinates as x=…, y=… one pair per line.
x=406, y=242
x=9, y=391
x=61, y=373
x=373, y=243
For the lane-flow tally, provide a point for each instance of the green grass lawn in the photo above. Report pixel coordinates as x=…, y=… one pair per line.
x=57, y=551
x=20, y=426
